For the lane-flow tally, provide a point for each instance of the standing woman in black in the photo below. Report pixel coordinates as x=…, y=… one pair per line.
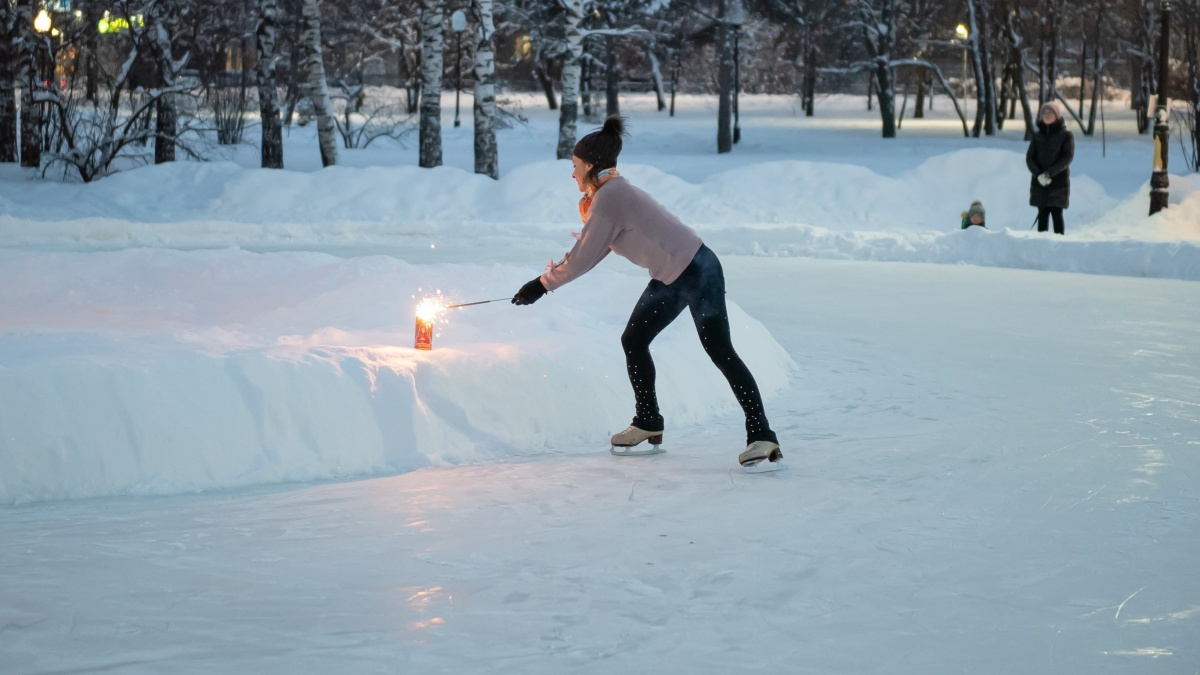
x=1049, y=160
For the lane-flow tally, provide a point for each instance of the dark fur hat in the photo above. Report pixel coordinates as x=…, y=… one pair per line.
x=601, y=147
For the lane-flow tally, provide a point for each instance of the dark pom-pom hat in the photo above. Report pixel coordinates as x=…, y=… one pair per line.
x=601, y=147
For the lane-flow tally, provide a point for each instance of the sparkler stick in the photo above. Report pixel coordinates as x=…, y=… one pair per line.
x=468, y=304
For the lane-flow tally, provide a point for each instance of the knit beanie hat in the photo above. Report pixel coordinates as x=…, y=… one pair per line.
x=976, y=208
x=1054, y=106
x=601, y=147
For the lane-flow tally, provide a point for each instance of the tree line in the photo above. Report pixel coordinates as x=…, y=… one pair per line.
x=93, y=86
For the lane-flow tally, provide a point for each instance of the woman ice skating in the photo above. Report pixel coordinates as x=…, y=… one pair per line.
x=684, y=272
x=1049, y=160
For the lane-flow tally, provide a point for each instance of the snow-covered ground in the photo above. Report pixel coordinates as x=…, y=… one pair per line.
x=219, y=451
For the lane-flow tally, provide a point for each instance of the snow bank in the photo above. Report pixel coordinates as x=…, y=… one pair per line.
x=807, y=208
x=154, y=371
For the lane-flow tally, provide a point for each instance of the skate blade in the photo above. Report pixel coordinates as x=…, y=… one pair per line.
x=763, y=466
x=635, y=451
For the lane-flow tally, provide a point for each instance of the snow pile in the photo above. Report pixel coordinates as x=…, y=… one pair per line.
x=805, y=208
x=154, y=371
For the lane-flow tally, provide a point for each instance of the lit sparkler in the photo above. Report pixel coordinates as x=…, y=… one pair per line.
x=427, y=311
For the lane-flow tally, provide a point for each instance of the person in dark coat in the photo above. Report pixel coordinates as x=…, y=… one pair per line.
x=1049, y=160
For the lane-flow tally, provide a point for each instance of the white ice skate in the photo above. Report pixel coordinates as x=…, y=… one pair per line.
x=752, y=460
x=624, y=444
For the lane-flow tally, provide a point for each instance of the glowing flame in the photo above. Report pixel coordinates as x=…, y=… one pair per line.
x=428, y=309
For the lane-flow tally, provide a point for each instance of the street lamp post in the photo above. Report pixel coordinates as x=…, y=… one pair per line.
x=458, y=21
x=1158, y=178
x=43, y=24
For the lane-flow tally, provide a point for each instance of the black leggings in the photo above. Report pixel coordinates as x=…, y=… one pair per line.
x=1044, y=214
x=701, y=288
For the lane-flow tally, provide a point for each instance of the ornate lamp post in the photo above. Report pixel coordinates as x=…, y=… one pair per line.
x=1158, y=178
x=458, y=21
x=42, y=23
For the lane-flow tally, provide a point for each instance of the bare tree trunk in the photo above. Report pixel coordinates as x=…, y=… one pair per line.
x=295, y=84
x=266, y=36
x=1016, y=60
x=987, y=75
x=810, y=76
x=1043, y=87
x=1192, y=50
x=674, y=80
x=886, y=93
x=410, y=80
x=1097, y=86
x=543, y=78
x=92, y=13
x=1145, y=87
x=1052, y=54
x=166, y=111
x=1083, y=47
x=569, y=111
x=432, y=49
x=317, y=89
x=919, y=108
x=879, y=39
x=657, y=78
x=31, y=118
x=1013, y=95
x=8, y=88
x=612, y=78
x=585, y=82
x=1003, y=98
x=725, y=88
x=487, y=160
x=974, y=47
x=1097, y=73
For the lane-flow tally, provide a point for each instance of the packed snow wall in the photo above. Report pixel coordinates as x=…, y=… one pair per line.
x=159, y=372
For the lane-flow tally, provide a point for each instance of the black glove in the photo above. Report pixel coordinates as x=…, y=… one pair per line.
x=529, y=293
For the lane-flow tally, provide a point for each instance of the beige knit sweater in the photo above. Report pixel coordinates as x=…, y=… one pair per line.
x=628, y=221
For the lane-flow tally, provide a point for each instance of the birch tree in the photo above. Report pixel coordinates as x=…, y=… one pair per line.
x=1016, y=66
x=812, y=18
x=879, y=40
x=1098, y=12
x=316, y=87
x=569, y=107
x=1052, y=15
x=266, y=36
x=981, y=59
x=432, y=46
x=158, y=35
x=729, y=21
x=573, y=17
x=8, y=89
x=26, y=43
x=1143, y=24
x=487, y=160
x=92, y=13
x=1189, y=13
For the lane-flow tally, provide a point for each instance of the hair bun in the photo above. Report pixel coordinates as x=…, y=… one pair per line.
x=614, y=125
